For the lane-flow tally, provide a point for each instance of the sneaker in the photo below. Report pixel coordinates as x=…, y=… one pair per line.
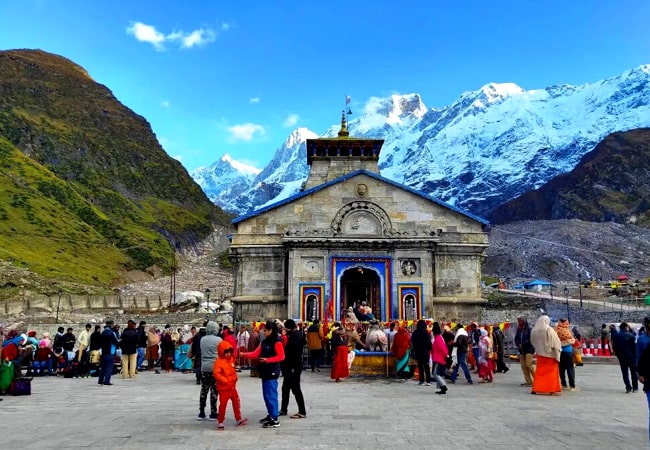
x=574, y=389
x=272, y=424
x=469, y=382
x=452, y=380
x=443, y=390
x=421, y=383
x=213, y=417
x=627, y=391
x=242, y=422
x=427, y=384
x=201, y=416
x=635, y=390
x=265, y=420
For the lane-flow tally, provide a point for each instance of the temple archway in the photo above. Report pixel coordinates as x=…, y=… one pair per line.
x=359, y=285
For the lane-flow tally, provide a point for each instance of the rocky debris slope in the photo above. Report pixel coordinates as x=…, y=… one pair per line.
x=561, y=250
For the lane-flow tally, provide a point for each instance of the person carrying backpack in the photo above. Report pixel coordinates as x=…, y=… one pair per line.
x=461, y=342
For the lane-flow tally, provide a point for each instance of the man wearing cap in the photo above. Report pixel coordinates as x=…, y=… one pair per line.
x=292, y=368
x=208, y=347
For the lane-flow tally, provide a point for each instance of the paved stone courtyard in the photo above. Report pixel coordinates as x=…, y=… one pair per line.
x=160, y=411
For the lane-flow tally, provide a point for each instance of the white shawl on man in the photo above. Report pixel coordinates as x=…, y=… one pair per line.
x=454, y=352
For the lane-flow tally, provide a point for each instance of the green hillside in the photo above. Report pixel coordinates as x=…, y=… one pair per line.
x=86, y=191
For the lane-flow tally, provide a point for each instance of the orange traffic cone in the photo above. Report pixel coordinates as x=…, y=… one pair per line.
x=592, y=348
x=600, y=348
x=606, y=349
x=585, y=349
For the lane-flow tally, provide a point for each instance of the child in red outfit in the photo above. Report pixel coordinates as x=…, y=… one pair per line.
x=225, y=376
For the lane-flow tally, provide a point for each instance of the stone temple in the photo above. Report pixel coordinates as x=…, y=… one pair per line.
x=352, y=235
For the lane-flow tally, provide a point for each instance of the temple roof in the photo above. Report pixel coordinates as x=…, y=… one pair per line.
x=347, y=176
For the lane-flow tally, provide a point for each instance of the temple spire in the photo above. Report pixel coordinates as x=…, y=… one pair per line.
x=343, y=133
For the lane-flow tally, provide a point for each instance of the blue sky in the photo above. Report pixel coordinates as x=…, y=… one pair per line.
x=215, y=77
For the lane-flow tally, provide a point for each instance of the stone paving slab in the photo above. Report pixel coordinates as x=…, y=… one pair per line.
x=159, y=411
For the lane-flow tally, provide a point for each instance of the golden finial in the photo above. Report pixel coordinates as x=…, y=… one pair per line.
x=344, y=126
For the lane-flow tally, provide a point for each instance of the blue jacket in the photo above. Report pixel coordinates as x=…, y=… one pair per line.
x=642, y=342
x=109, y=342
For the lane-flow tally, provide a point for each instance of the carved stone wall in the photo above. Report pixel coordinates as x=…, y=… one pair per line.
x=429, y=244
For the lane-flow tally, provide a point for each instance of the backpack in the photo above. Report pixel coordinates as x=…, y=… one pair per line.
x=462, y=342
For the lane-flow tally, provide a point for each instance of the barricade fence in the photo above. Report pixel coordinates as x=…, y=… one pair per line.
x=72, y=302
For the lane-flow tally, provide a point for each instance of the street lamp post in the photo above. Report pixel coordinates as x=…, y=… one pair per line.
x=58, y=305
x=566, y=296
x=580, y=288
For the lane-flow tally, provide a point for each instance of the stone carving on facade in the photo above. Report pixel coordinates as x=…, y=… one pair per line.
x=409, y=268
x=361, y=190
x=362, y=217
x=295, y=232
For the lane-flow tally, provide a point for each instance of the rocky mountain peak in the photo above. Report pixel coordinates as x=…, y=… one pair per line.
x=485, y=148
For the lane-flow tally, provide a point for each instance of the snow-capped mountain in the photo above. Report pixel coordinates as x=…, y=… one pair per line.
x=225, y=179
x=486, y=148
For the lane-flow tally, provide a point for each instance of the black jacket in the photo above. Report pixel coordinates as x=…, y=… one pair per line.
x=624, y=344
x=293, y=352
x=269, y=371
x=142, y=337
x=421, y=341
x=522, y=340
x=129, y=341
x=67, y=341
x=95, y=340
x=196, y=344
x=497, y=343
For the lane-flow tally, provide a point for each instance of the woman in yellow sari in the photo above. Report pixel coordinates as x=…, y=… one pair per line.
x=547, y=346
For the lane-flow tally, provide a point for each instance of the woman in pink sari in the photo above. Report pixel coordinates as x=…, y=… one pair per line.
x=484, y=361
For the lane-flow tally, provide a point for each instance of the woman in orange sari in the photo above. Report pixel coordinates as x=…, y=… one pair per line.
x=547, y=346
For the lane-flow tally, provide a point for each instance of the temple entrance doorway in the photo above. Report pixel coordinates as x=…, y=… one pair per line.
x=360, y=285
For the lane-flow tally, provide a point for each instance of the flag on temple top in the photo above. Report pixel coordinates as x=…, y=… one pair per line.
x=347, y=99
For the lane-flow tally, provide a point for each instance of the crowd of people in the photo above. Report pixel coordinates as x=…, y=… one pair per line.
x=547, y=355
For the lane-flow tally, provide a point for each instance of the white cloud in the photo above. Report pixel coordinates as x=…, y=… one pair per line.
x=291, y=120
x=178, y=158
x=147, y=33
x=254, y=100
x=225, y=26
x=196, y=38
x=165, y=104
x=245, y=131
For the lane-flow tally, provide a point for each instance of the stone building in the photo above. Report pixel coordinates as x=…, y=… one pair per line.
x=353, y=236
